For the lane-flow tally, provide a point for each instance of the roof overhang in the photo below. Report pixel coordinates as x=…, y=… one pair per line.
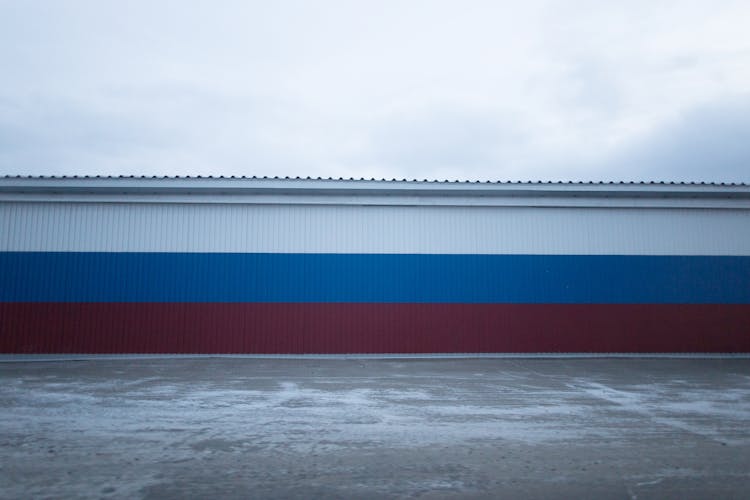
x=370, y=192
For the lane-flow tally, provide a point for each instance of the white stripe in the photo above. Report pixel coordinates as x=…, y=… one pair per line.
x=108, y=227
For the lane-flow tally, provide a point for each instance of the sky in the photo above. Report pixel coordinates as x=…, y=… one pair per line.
x=463, y=90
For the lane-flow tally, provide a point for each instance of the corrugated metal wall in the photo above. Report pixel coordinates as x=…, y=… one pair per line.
x=105, y=227
x=113, y=277
x=298, y=328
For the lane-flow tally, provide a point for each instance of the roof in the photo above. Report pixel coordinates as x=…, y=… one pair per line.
x=222, y=189
x=360, y=179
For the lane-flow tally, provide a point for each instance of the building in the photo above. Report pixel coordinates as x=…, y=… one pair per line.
x=281, y=265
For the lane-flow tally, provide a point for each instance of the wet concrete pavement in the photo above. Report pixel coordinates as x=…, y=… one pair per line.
x=317, y=428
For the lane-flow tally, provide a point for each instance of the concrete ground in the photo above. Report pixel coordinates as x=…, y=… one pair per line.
x=315, y=428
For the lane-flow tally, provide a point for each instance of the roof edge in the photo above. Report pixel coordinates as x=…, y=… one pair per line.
x=364, y=179
x=252, y=186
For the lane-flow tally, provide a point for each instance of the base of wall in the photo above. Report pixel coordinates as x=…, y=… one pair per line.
x=26, y=358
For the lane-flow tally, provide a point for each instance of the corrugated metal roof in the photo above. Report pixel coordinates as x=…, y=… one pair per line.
x=359, y=179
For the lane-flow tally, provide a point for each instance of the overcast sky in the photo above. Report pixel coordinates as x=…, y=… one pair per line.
x=490, y=90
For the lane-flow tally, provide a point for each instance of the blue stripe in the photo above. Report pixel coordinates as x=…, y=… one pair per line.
x=216, y=277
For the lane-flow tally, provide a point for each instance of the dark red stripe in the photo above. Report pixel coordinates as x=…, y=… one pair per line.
x=263, y=328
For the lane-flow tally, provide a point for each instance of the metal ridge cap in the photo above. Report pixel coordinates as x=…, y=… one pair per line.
x=364, y=179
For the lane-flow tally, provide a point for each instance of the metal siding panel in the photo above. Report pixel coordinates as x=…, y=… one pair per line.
x=176, y=326
x=355, y=229
x=371, y=328
x=191, y=277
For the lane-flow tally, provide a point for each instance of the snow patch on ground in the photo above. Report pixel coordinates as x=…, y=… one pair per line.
x=172, y=412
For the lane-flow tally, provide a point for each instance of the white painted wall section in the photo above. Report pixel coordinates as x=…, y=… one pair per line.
x=297, y=228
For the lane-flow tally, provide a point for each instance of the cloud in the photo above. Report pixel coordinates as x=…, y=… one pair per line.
x=57, y=136
x=444, y=141
x=164, y=130
x=710, y=142
x=484, y=90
